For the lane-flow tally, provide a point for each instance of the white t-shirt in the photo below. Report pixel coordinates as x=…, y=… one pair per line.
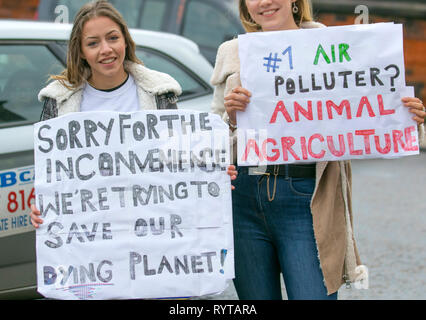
x=123, y=99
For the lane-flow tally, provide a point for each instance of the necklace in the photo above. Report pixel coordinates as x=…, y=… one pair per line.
x=109, y=89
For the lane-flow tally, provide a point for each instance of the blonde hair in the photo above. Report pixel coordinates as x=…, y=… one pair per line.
x=78, y=70
x=304, y=15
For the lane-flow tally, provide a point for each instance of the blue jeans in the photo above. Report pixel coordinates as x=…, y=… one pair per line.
x=273, y=237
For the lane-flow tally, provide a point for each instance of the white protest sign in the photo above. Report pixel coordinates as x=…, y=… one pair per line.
x=135, y=205
x=324, y=94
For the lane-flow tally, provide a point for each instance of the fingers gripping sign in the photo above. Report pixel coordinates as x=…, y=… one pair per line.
x=236, y=100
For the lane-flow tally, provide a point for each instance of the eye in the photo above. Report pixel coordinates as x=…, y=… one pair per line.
x=113, y=38
x=91, y=43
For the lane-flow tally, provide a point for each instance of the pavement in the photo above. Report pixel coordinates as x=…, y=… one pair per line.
x=389, y=206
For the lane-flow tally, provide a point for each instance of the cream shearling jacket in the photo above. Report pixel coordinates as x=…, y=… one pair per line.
x=331, y=202
x=150, y=84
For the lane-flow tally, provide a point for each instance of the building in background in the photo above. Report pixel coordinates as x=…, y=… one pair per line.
x=411, y=13
x=18, y=9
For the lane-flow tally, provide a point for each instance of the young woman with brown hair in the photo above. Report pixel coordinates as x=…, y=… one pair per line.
x=103, y=73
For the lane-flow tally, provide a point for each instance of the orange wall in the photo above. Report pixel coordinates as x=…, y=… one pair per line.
x=18, y=9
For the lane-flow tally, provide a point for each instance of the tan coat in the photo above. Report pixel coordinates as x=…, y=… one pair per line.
x=331, y=202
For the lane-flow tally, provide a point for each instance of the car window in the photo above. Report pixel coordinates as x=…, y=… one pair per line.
x=24, y=71
x=153, y=14
x=130, y=10
x=207, y=25
x=190, y=84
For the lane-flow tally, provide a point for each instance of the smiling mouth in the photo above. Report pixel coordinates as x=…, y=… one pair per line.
x=269, y=12
x=108, y=61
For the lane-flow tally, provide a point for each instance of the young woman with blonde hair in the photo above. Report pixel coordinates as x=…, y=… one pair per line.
x=300, y=225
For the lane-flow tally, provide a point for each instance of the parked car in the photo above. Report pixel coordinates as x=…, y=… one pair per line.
x=29, y=52
x=207, y=22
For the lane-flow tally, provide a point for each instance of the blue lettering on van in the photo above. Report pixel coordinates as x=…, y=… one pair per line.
x=22, y=176
x=7, y=179
x=25, y=176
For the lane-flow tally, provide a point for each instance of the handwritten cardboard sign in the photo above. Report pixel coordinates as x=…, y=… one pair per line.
x=324, y=94
x=135, y=205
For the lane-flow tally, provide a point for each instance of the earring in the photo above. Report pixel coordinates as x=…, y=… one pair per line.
x=295, y=8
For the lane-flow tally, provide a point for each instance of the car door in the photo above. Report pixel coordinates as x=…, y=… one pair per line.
x=24, y=70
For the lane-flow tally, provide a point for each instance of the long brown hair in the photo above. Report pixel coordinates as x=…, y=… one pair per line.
x=78, y=70
x=304, y=14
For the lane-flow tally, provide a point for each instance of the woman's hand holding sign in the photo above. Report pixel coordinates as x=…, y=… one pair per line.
x=235, y=101
x=232, y=172
x=35, y=216
x=416, y=107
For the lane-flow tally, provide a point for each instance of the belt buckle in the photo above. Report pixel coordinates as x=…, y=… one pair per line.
x=260, y=170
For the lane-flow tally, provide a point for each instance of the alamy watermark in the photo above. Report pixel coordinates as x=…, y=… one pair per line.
x=363, y=14
x=62, y=14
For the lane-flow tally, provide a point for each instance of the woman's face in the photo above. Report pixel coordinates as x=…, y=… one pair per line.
x=272, y=15
x=104, y=48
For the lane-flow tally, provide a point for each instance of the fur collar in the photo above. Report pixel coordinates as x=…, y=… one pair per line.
x=151, y=81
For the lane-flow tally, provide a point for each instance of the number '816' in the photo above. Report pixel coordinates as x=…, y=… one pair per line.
x=20, y=200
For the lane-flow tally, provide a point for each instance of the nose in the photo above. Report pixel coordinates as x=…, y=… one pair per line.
x=265, y=2
x=105, y=47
